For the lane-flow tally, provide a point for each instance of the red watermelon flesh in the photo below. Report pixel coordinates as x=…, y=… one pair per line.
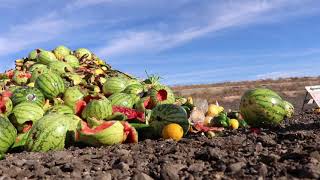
x=130, y=113
x=130, y=133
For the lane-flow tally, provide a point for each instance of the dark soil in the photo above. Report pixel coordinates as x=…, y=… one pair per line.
x=287, y=152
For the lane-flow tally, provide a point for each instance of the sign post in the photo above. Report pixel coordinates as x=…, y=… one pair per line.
x=314, y=92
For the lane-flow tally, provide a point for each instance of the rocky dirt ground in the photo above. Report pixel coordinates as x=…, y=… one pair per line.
x=290, y=151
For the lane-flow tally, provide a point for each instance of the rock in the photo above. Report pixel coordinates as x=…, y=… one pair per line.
x=106, y=176
x=263, y=170
x=122, y=166
x=197, y=167
x=236, y=167
x=169, y=171
x=141, y=176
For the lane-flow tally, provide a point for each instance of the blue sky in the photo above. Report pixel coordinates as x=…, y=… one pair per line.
x=183, y=41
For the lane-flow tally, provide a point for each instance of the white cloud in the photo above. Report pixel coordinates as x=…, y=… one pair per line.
x=221, y=17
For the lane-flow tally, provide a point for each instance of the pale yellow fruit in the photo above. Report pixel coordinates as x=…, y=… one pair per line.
x=172, y=131
x=214, y=110
x=234, y=123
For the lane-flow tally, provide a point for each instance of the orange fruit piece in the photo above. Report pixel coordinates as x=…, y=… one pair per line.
x=172, y=131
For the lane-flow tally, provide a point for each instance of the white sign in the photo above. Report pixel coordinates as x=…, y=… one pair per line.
x=314, y=91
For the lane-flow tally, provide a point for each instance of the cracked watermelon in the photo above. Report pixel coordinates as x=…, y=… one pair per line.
x=48, y=133
x=24, y=114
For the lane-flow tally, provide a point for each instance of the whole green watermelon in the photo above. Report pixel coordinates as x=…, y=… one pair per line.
x=7, y=134
x=164, y=114
x=114, y=85
x=48, y=133
x=60, y=109
x=27, y=94
x=97, y=108
x=50, y=84
x=261, y=106
x=122, y=99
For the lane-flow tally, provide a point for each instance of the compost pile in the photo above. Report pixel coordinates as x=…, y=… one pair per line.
x=54, y=99
x=73, y=99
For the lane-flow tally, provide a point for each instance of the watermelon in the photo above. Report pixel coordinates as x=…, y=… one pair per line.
x=25, y=113
x=33, y=55
x=136, y=89
x=72, y=61
x=97, y=108
x=61, y=51
x=164, y=114
x=46, y=57
x=261, y=107
x=162, y=95
x=50, y=84
x=60, y=67
x=38, y=67
x=130, y=133
x=60, y=109
x=72, y=95
x=83, y=53
x=122, y=99
x=20, y=77
x=114, y=85
x=5, y=105
x=289, y=109
x=7, y=134
x=48, y=133
x=128, y=112
x=143, y=104
x=37, y=72
x=108, y=133
x=27, y=94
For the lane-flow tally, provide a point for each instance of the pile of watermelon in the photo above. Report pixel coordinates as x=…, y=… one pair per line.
x=53, y=99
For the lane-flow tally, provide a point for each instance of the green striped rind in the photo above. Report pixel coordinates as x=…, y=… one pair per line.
x=133, y=81
x=27, y=94
x=170, y=95
x=260, y=109
x=61, y=51
x=114, y=85
x=165, y=114
x=50, y=84
x=100, y=109
x=25, y=111
x=122, y=99
x=38, y=67
x=46, y=57
x=7, y=134
x=60, y=109
x=9, y=106
x=109, y=136
x=72, y=61
x=289, y=108
x=136, y=89
x=49, y=133
x=37, y=71
x=60, y=67
x=72, y=95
